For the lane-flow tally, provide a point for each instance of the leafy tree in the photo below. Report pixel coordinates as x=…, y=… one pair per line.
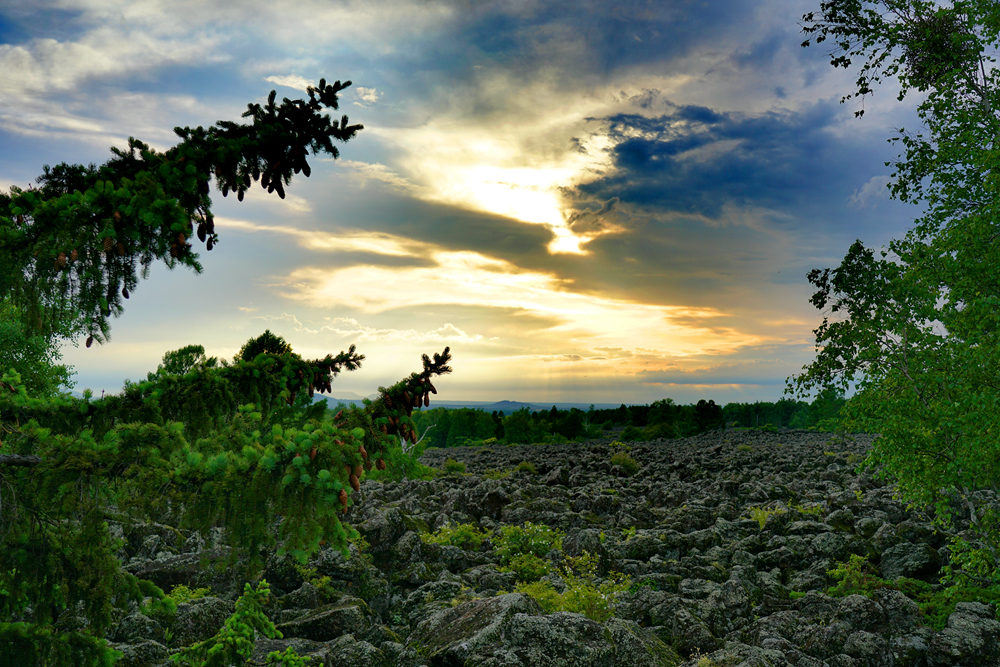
x=916, y=325
x=35, y=356
x=198, y=443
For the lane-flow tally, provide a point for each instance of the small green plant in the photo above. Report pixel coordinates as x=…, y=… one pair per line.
x=760, y=514
x=796, y=595
x=527, y=567
x=526, y=466
x=181, y=593
x=815, y=510
x=629, y=533
x=855, y=576
x=583, y=594
x=287, y=658
x=618, y=444
x=234, y=643
x=464, y=535
x=465, y=594
x=744, y=448
x=490, y=441
x=645, y=583
x=497, y=474
x=537, y=539
x=323, y=584
x=624, y=461
x=453, y=466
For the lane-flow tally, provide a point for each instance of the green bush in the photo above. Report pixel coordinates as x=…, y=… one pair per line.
x=624, y=461
x=181, y=593
x=583, y=594
x=537, y=539
x=526, y=466
x=760, y=514
x=451, y=465
x=857, y=577
x=528, y=567
x=745, y=448
x=497, y=474
x=464, y=535
x=630, y=434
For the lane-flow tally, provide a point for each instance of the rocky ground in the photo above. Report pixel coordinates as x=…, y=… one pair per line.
x=727, y=537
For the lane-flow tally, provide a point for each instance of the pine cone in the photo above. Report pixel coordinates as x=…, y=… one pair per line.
x=90, y=341
x=433, y=390
x=209, y=245
x=355, y=483
x=358, y=469
x=125, y=292
x=363, y=451
x=380, y=464
x=61, y=260
x=121, y=249
x=427, y=399
x=118, y=216
x=173, y=250
x=388, y=401
x=109, y=244
x=342, y=496
x=73, y=256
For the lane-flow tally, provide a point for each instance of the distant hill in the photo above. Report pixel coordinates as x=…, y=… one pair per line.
x=506, y=406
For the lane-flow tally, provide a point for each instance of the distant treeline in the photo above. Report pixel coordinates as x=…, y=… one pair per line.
x=443, y=427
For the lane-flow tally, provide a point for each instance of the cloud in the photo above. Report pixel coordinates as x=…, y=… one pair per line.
x=367, y=96
x=290, y=81
x=875, y=189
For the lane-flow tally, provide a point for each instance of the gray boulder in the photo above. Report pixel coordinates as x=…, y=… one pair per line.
x=346, y=616
x=972, y=638
x=511, y=630
x=916, y=561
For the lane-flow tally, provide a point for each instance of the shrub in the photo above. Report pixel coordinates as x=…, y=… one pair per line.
x=528, y=567
x=464, y=535
x=624, y=461
x=745, y=448
x=181, y=593
x=497, y=474
x=583, y=594
x=760, y=514
x=526, y=466
x=451, y=465
x=537, y=539
x=631, y=434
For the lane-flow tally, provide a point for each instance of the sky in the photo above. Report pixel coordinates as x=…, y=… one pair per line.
x=590, y=201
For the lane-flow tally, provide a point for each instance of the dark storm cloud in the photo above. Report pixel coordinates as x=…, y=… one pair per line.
x=696, y=160
x=586, y=40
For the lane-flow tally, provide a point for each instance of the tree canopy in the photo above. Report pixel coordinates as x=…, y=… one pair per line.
x=915, y=326
x=201, y=442
x=76, y=245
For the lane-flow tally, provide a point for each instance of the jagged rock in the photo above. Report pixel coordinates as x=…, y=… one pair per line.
x=512, y=630
x=870, y=649
x=137, y=626
x=346, y=616
x=972, y=638
x=860, y=612
x=905, y=559
x=200, y=619
x=384, y=529
x=141, y=653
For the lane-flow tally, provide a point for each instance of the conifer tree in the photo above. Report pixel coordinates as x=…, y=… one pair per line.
x=200, y=442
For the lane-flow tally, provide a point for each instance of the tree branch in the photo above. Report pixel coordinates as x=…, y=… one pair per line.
x=19, y=460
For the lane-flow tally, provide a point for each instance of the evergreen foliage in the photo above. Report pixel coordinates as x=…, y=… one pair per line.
x=76, y=245
x=200, y=443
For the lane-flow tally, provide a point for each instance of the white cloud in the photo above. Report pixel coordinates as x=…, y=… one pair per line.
x=290, y=81
x=871, y=192
x=368, y=96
